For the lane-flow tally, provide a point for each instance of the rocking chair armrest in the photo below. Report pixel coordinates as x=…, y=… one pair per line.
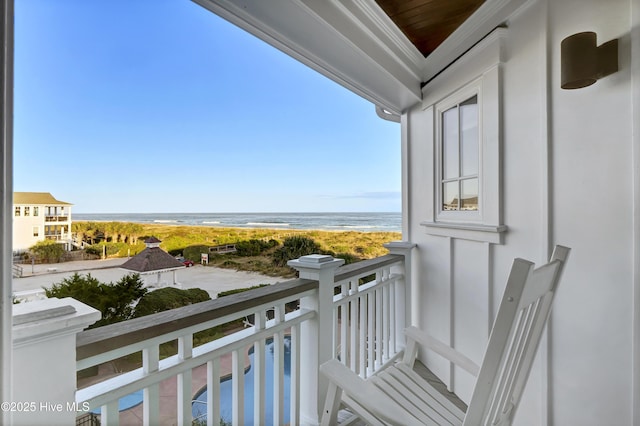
x=444, y=350
x=366, y=394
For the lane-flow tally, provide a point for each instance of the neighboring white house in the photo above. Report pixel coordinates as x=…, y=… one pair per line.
x=39, y=216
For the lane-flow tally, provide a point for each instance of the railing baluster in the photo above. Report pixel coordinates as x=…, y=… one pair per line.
x=362, y=324
x=185, y=351
x=213, y=392
x=259, y=370
x=353, y=327
x=335, y=325
x=237, y=366
x=109, y=415
x=393, y=344
x=294, y=389
x=370, y=330
x=278, y=369
x=385, y=315
x=151, y=394
x=344, y=320
x=378, y=324
x=344, y=323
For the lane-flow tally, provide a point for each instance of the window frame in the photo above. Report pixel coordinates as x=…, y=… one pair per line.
x=478, y=70
x=475, y=216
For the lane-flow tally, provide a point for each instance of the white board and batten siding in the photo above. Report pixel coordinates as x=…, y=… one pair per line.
x=565, y=175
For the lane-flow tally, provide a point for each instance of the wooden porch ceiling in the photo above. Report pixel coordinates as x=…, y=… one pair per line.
x=427, y=23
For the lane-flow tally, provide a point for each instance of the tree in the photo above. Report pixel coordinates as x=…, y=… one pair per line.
x=132, y=231
x=92, y=232
x=48, y=250
x=80, y=229
x=114, y=301
x=123, y=295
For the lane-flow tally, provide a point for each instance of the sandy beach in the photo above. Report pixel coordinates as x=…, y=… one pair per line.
x=209, y=278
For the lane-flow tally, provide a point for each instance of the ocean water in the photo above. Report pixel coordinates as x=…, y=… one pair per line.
x=363, y=222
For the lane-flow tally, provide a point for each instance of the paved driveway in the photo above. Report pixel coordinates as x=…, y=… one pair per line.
x=208, y=278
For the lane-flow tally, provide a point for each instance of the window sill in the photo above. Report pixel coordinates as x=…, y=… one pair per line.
x=466, y=231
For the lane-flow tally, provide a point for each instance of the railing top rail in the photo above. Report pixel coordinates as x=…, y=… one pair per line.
x=359, y=268
x=98, y=340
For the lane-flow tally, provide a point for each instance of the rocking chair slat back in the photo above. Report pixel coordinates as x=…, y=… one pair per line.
x=514, y=340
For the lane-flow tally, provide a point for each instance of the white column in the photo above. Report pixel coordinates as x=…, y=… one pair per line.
x=404, y=292
x=316, y=335
x=6, y=198
x=44, y=360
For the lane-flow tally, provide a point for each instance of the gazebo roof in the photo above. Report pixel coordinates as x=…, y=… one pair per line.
x=152, y=259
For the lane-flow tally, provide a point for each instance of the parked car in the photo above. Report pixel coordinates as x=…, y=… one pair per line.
x=187, y=263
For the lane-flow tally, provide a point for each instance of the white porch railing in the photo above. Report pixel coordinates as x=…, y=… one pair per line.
x=181, y=324
x=354, y=312
x=368, y=314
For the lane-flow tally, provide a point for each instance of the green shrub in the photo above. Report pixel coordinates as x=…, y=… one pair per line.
x=193, y=252
x=230, y=264
x=115, y=249
x=48, y=251
x=347, y=257
x=114, y=301
x=293, y=248
x=253, y=247
x=240, y=290
x=94, y=249
x=169, y=298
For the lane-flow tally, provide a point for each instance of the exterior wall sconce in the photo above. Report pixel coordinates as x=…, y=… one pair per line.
x=583, y=62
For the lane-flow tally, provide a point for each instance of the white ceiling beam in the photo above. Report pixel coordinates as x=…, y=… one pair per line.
x=354, y=43
x=292, y=27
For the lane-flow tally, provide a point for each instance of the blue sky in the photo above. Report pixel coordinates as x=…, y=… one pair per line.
x=162, y=106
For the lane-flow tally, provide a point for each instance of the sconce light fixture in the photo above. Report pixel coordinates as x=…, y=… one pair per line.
x=583, y=62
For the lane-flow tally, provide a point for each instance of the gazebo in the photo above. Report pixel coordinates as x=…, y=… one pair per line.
x=154, y=260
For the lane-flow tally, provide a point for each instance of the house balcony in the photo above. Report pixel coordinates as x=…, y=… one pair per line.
x=55, y=236
x=355, y=313
x=56, y=218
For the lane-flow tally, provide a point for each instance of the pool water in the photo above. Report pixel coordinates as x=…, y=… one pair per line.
x=199, y=406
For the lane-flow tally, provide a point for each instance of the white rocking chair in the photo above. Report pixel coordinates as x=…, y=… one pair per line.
x=399, y=396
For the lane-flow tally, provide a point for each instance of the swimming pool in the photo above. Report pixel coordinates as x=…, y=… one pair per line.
x=199, y=406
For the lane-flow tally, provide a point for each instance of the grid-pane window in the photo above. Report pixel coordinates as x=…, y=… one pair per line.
x=36, y=231
x=26, y=211
x=17, y=211
x=35, y=211
x=460, y=158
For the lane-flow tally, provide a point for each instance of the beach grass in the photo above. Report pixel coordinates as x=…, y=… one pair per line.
x=365, y=245
x=177, y=239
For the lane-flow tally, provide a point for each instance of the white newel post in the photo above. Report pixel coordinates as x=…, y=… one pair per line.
x=44, y=360
x=316, y=336
x=404, y=292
